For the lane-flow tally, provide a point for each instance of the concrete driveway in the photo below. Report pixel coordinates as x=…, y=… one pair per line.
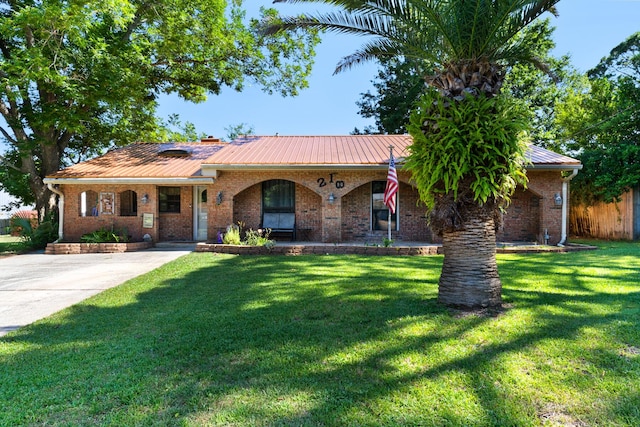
x=34, y=286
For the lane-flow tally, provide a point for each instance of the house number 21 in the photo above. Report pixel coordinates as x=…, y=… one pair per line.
x=323, y=182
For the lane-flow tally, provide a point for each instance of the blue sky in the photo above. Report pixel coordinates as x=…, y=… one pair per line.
x=586, y=30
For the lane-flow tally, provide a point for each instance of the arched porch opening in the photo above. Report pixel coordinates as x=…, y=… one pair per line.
x=280, y=196
x=364, y=219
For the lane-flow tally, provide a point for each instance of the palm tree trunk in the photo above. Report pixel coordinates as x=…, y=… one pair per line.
x=469, y=276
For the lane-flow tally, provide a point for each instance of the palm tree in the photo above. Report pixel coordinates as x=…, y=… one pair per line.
x=467, y=155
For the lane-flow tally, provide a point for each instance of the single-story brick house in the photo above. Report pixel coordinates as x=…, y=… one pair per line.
x=321, y=188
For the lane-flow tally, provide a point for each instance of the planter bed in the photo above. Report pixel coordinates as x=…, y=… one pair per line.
x=94, y=248
x=317, y=249
x=326, y=249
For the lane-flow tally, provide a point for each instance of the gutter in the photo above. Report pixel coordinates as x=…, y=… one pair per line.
x=211, y=170
x=78, y=181
x=554, y=167
x=60, y=210
x=565, y=205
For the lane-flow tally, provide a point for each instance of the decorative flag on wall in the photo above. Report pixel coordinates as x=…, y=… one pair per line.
x=392, y=186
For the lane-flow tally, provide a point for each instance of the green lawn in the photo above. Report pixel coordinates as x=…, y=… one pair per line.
x=11, y=245
x=336, y=341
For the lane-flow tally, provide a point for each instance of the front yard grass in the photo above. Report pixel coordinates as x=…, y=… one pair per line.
x=227, y=340
x=10, y=245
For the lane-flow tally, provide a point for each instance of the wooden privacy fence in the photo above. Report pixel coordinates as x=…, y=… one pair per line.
x=605, y=220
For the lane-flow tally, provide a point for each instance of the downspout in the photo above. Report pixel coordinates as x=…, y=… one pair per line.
x=565, y=205
x=60, y=211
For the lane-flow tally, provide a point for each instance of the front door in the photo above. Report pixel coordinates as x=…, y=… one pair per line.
x=200, y=225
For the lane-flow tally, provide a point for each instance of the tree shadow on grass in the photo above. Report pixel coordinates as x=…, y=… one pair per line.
x=301, y=341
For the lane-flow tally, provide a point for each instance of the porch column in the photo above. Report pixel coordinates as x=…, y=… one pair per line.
x=331, y=219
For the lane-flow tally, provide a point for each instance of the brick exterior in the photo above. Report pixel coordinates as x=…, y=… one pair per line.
x=522, y=222
x=348, y=218
x=546, y=184
x=357, y=216
x=76, y=225
x=178, y=226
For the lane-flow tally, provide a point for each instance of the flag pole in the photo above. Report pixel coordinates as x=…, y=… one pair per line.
x=389, y=214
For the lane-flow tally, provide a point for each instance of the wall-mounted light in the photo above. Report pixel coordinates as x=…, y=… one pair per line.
x=557, y=199
x=145, y=198
x=219, y=198
x=332, y=198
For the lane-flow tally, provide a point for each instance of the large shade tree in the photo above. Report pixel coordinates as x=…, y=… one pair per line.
x=78, y=77
x=602, y=126
x=467, y=154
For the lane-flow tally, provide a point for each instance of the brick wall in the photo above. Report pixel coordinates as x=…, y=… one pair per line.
x=76, y=225
x=546, y=184
x=308, y=214
x=413, y=216
x=347, y=219
x=247, y=207
x=178, y=226
x=356, y=216
x=522, y=222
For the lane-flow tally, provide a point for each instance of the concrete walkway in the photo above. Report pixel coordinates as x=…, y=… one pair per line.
x=34, y=286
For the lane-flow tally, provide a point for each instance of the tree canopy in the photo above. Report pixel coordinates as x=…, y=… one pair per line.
x=398, y=86
x=78, y=77
x=601, y=119
x=400, y=83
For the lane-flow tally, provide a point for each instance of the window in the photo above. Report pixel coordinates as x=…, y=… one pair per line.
x=88, y=203
x=278, y=195
x=380, y=211
x=169, y=199
x=128, y=203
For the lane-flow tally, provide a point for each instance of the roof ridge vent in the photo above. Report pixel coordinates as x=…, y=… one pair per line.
x=210, y=140
x=175, y=152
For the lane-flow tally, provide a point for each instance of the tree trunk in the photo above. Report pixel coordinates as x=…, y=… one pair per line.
x=469, y=276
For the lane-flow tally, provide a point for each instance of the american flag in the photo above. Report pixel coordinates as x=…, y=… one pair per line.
x=392, y=186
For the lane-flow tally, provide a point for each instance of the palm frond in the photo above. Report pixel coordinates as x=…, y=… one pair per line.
x=441, y=31
x=391, y=20
x=534, y=8
x=379, y=48
x=340, y=22
x=376, y=49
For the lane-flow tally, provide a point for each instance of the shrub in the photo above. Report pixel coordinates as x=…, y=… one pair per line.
x=251, y=237
x=36, y=236
x=105, y=235
x=258, y=238
x=232, y=236
x=21, y=220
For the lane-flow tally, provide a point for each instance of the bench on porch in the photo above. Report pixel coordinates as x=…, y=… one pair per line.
x=280, y=223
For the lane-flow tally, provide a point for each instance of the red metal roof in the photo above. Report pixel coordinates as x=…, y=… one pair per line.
x=348, y=150
x=540, y=156
x=145, y=160
x=186, y=160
